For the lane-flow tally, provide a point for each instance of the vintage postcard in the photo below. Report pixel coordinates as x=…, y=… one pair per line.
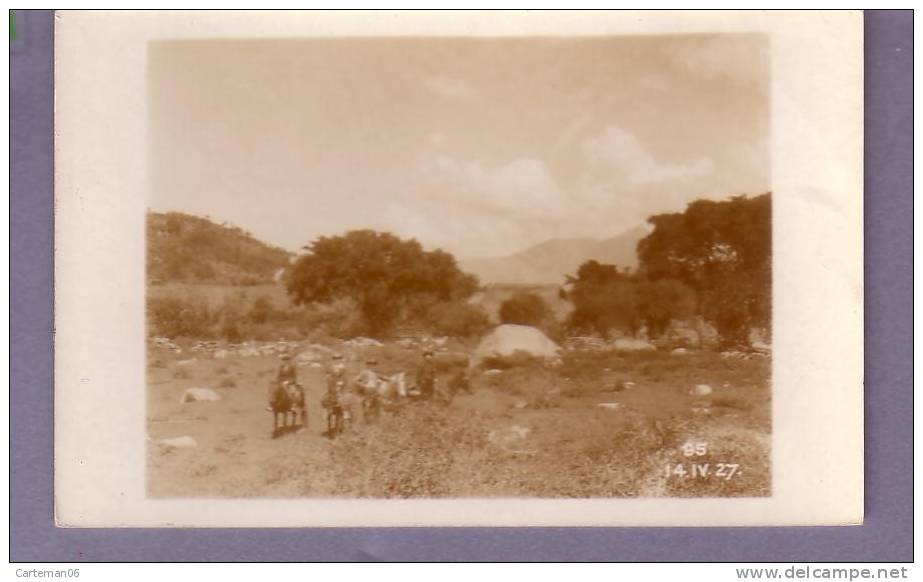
x=458, y=268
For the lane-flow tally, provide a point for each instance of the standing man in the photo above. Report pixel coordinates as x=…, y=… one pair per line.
x=426, y=376
x=367, y=383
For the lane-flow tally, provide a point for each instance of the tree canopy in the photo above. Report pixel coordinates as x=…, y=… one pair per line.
x=606, y=298
x=525, y=308
x=723, y=250
x=381, y=273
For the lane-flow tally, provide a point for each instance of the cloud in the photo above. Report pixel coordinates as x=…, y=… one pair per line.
x=475, y=208
x=621, y=156
x=740, y=58
x=523, y=187
x=436, y=140
x=480, y=209
x=453, y=226
x=572, y=131
x=450, y=88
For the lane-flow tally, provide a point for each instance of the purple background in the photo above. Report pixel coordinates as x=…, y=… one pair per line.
x=886, y=535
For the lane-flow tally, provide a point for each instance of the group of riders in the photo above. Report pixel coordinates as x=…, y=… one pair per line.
x=287, y=395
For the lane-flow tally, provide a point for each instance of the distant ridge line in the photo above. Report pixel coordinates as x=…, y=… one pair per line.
x=549, y=262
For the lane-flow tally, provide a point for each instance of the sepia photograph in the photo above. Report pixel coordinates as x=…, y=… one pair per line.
x=459, y=267
x=429, y=265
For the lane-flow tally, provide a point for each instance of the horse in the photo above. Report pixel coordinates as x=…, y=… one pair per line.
x=337, y=414
x=385, y=391
x=287, y=402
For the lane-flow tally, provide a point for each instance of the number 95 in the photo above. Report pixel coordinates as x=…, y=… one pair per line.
x=694, y=449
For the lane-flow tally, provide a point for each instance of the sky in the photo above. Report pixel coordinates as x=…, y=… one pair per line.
x=481, y=147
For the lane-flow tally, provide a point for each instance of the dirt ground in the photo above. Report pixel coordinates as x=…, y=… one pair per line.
x=527, y=430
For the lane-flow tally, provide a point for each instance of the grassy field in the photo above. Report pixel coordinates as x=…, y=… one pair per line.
x=216, y=295
x=528, y=430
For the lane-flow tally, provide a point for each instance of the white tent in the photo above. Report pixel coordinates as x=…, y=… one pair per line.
x=507, y=339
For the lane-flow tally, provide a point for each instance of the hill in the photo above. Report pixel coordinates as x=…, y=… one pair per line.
x=191, y=249
x=548, y=262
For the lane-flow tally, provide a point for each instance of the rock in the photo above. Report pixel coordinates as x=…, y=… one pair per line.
x=679, y=352
x=221, y=354
x=610, y=405
x=199, y=395
x=702, y=410
x=507, y=438
x=619, y=386
x=520, y=404
x=632, y=345
x=585, y=343
x=493, y=372
x=700, y=390
x=363, y=342
x=179, y=442
x=761, y=347
x=185, y=362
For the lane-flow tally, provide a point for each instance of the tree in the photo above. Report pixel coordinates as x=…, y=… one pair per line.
x=457, y=319
x=380, y=273
x=606, y=298
x=723, y=250
x=261, y=310
x=657, y=303
x=525, y=308
x=603, y=299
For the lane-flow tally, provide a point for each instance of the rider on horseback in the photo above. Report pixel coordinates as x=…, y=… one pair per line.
x=287, y=395
x=287, y=371
x=336, y=383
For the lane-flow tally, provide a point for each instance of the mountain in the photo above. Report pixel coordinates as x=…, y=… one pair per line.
x=550, y=261
x=191, y=249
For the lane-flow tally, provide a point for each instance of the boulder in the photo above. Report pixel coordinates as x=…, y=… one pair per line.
x=625, y=344
x=199, y=395
x=609, y=405
x=362, y=342
x=508, y=438
x=507, y=339
x=179, y=442
x=700, y=390
x=761, y=347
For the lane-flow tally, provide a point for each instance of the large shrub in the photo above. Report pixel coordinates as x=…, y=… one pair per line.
x=525, y=308
x=457, y=319
x=175, y=317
